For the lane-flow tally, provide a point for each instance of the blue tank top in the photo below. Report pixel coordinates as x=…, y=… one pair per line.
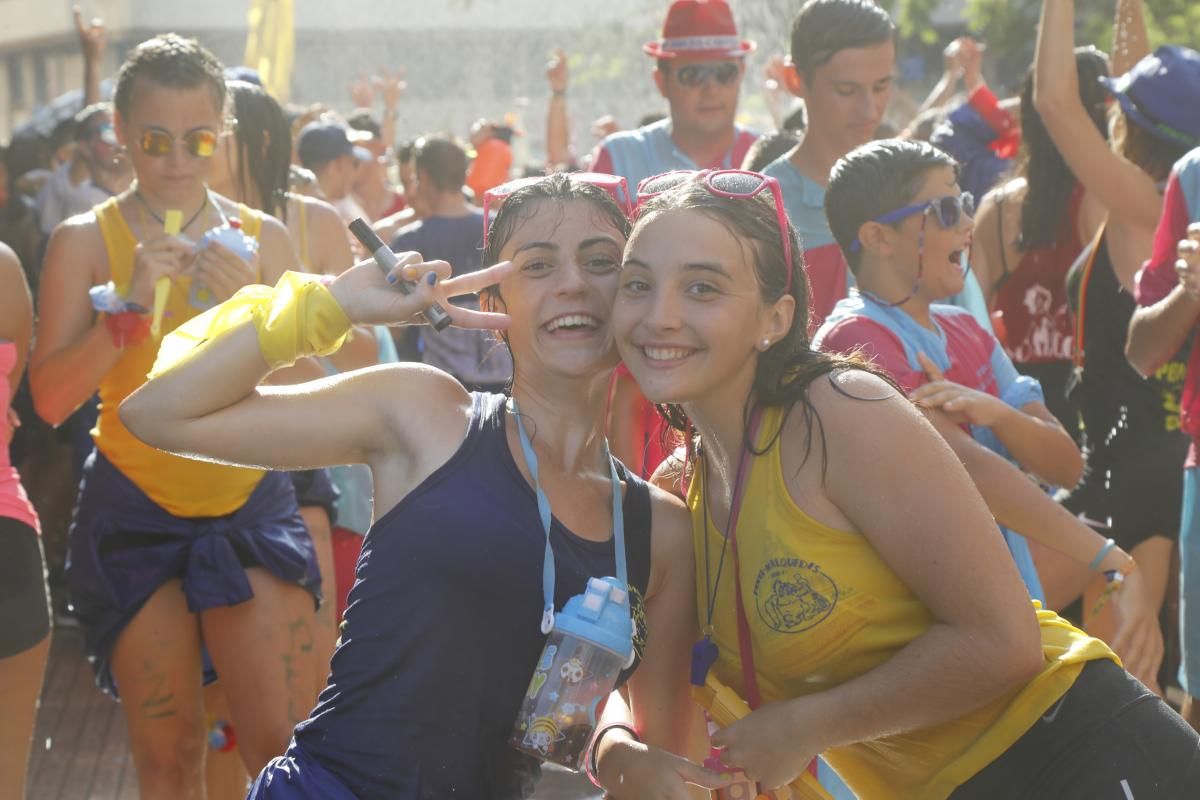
x=442, y=635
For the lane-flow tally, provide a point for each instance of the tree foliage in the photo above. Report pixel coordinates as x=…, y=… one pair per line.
x=1010, y=26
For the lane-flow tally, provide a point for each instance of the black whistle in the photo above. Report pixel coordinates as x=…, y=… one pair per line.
x=435, y=315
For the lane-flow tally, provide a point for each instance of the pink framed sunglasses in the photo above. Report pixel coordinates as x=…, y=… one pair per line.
x=614, y=185
x=735, y=183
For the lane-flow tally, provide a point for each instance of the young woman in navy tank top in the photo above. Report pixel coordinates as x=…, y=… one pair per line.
x=442, y=632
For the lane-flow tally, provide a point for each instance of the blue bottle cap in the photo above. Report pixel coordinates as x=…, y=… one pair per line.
x=600, y=615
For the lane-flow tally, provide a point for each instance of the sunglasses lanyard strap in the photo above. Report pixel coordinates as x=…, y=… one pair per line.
x=543, y=504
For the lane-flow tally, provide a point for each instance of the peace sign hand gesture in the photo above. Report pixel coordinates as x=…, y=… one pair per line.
x=370, y=298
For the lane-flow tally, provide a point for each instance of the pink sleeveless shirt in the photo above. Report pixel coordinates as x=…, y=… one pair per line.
x=14, y=503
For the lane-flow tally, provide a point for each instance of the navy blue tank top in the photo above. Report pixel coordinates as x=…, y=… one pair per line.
x=441, y=635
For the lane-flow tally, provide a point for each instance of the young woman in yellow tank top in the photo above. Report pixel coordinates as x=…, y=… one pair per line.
x=169, y=555
x=849, y=576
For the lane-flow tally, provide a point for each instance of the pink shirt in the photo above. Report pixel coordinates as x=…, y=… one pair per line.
x=1181, y=206
x=14, y=503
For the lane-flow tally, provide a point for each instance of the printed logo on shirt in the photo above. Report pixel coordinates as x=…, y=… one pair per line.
x=793, y=595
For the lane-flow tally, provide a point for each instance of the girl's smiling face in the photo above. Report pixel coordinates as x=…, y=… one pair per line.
x=689, y=317
x=567, y=259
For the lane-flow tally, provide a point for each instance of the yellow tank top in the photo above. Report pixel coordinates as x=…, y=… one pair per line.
x=182, y=486
x=823, y=608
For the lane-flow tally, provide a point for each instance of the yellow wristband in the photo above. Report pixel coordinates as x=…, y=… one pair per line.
x=302, y=319
x=298, y=318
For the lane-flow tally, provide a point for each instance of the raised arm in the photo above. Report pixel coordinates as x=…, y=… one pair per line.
x=1131, y=41
x=1126, y=191
x=93, y=41
x=210, y=405
x=558, y=130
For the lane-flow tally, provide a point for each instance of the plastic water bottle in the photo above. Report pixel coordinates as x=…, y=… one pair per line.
x=232, y=237
x=592, y=641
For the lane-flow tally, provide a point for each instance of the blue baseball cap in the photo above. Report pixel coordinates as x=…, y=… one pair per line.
x=1162, y=94
x=321, y=142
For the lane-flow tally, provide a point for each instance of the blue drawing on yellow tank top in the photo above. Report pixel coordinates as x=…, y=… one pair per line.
x=793, y=595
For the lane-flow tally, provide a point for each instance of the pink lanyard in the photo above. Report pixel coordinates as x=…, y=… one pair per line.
x=704, y=654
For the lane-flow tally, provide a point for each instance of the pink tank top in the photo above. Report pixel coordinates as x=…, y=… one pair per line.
x=14, y=503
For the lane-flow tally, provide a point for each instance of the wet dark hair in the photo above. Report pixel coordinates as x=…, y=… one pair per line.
x=264, y=143
x=784, y=372
x=362, y=120
x=545, y=196
x=405, y=152
x=769, y=148
x=823, y=28
x=797, y=121
x=442, y=160
x=173, y=61
x=872, y=180
x=1049, y=180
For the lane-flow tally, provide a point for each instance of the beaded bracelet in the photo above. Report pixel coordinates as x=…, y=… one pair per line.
x=590, y=767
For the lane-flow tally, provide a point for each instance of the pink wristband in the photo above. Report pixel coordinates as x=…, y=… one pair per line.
x=590, y=767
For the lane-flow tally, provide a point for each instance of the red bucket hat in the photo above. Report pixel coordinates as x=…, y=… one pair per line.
x=699, y=29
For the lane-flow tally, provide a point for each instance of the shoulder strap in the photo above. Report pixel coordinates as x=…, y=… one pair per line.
x=638, y=528
x=1078, y=355
x=118, y=239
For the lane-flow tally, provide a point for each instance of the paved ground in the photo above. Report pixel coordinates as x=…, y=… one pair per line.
x=81, y=751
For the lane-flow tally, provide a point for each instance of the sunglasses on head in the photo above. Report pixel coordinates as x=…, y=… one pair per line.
x=614, y=185
x=200, y=143
x=724, y=72
x=734, y=183
x=948, y=211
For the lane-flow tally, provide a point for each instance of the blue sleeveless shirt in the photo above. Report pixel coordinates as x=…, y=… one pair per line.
x=442, y=635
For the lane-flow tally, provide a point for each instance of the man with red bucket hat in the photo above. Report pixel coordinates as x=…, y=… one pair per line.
x=700, y=68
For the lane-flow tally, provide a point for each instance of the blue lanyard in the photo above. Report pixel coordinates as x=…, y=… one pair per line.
x=543, y=503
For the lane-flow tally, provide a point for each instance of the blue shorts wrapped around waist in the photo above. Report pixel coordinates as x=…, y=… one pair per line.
x=123, y=546
x=295, y=776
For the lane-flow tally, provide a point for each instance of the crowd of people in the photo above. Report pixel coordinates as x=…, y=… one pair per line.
x=886, y=427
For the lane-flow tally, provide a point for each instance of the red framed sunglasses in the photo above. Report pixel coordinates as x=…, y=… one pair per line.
x=614, y=185
x=735, y=183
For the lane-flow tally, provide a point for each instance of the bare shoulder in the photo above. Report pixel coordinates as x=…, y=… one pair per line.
x=852, y=406
x=421, y=402
x=670, y=538
x=10, y=267
x=77, y=246
x=319, y=212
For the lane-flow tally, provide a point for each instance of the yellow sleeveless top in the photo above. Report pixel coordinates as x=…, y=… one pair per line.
x=823, y=608
x=182, y=486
